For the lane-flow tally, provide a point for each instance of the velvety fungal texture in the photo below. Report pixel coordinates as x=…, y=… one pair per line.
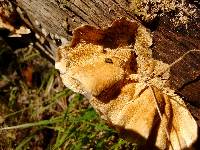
x=114, y=69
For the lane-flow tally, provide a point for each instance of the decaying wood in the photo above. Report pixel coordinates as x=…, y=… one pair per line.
x=55, y=21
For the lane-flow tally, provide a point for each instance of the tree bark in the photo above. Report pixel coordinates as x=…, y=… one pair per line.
x=54, y=22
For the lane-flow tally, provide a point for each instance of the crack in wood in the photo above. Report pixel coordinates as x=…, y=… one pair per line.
x=98, y=12
x=81, y=12
x=91, y=11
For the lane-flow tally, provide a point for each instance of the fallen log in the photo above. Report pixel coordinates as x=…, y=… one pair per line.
x=54, y=21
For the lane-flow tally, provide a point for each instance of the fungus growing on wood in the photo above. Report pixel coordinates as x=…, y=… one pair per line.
x=114, y=69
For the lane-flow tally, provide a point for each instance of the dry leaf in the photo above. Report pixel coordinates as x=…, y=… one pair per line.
x=27, y=73
x=114, y=69
x=8, y=18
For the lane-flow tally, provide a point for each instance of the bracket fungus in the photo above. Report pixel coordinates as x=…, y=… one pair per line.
x=114, y=69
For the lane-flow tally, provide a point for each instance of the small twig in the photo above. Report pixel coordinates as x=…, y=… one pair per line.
x=159, y=113
x=179, y=59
